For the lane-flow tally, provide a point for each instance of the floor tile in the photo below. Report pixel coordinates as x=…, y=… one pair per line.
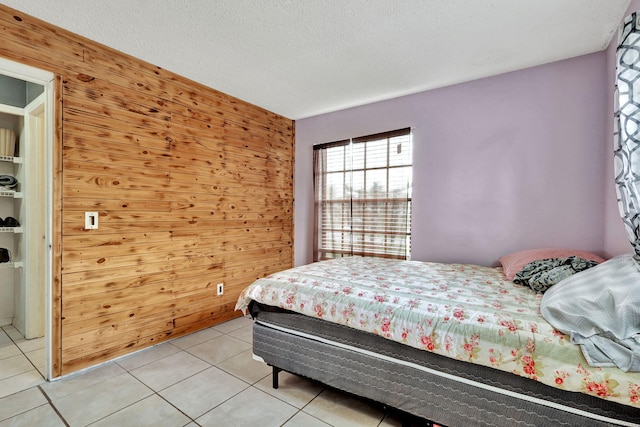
x=147, y=356
x=187, y=388
x=218, y=349
x=165, y=372
x=15, y=335
x=31, y=345
x=15, y=365
x=249, y=408
x=8, y=350
x=42, y=416
x=76, y=382
x=21, y=402
x=203, y=391
x=152, y=411
x=36, y=358
x=196, y=338
x=20, y=382
x=293, y=389
x=245, y=334
x=100, y=400
x=339, y=410
x=302, y=419
x=234, y=324
x=7, y=347
x=245, y=367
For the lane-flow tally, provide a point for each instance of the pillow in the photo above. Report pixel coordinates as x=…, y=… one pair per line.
x=540, y=275
x=516, y=261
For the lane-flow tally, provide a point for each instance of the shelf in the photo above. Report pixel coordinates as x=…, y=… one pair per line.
x=15, y=230
x=9, y=109
x=10, y=159
x=11, y=193
x=16, y=264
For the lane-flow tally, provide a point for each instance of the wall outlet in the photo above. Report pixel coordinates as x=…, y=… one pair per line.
x=220, y=288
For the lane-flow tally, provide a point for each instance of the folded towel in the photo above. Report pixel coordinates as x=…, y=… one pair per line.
x=8, y=181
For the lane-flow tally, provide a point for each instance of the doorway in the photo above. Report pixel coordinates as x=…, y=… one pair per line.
x=26, y=116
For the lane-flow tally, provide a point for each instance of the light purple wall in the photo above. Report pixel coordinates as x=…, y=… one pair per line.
x=616, y=241
x=501, y=164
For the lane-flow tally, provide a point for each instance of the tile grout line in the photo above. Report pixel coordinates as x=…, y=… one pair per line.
x=185, y=350
x=157, y=393
x=249, y=385
x=298, y=410
x=22, y=351
x=192, y=420
x=153, y=392
x=55, y=409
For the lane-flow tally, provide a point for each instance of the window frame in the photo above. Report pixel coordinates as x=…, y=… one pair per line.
x=348, y=231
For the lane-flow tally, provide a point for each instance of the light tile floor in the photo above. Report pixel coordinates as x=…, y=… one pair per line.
x=204, y=379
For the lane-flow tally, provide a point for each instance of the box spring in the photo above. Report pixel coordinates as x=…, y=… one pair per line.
x=419, y=382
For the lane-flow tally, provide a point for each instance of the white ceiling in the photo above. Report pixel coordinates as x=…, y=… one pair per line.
x=301, y=58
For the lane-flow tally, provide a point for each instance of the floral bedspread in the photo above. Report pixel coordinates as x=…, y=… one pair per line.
x=466, y=312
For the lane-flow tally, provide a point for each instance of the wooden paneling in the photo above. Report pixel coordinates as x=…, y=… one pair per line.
x=193, y=188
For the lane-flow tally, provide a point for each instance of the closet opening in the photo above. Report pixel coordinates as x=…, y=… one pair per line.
x=26, y=146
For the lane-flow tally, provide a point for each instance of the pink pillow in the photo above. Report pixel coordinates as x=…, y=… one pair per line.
x=516, y=261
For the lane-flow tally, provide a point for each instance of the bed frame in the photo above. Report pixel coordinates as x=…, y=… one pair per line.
x=418, y=382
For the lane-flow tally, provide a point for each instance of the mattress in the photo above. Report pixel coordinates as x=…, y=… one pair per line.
x=464, y=312
x=421, y=383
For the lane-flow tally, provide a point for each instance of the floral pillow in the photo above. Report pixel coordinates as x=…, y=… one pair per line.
x=540, y=275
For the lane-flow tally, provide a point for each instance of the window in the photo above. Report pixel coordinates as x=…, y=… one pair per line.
x=363, y=196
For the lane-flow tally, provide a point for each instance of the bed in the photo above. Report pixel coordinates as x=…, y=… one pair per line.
x=452, y=343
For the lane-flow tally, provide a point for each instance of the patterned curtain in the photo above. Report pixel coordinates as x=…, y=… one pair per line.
x=627, y=129
x=599, y=308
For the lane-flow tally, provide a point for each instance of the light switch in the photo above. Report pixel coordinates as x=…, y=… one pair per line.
x=91, y=220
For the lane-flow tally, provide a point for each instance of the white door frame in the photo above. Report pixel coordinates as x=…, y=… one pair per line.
x=44, y=78
x=35, y=234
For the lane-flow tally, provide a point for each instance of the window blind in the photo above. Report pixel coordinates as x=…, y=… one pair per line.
x=363, y=196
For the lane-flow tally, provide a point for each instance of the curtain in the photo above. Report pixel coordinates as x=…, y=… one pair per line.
x=627, y=129
x=599, y=308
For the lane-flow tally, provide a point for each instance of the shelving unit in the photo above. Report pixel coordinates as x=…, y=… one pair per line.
x=27, y=109
x=12, y=204
x=22, y=281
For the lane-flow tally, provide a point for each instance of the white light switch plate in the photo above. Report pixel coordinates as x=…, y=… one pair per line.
x=91, y=220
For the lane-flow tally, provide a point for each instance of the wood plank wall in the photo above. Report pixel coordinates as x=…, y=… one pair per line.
x=193, y=188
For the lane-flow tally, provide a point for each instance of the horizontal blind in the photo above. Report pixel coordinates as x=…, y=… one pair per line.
x=363, y=196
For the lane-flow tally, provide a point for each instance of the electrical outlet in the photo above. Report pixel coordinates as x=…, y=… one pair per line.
x=220, y=288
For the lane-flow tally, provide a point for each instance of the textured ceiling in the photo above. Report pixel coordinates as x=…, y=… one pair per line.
x=301, y=58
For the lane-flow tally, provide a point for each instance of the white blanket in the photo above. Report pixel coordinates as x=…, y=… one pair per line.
x=600, y=309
